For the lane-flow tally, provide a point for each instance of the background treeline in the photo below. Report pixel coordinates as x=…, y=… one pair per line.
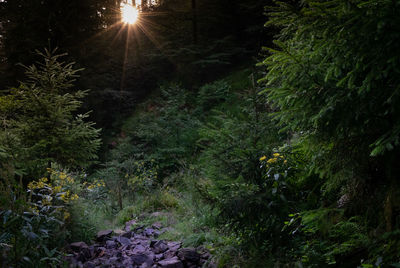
x=190, y=41
x=291, y=162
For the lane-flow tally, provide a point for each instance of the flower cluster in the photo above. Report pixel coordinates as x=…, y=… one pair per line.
x=52, y=194
x=276, y=157
x=98, y=183
x=144, y=175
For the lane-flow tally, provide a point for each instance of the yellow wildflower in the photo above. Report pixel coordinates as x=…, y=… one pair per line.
x=285, y=162
x=35, y=210
x=276, y=155
x=57, y=189
x=263, y=158
x=31, y=185
x=66, y=215
x=62, y=175
x=272, y=160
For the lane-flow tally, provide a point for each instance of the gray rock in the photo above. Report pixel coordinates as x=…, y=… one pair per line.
x=159, y=256
x=128, y=234
x=148, y=231
x=128, y=225
x=159, y=246
x=157, y=225
x=84, y=255
x=111, y=244
x=171, y=263
x=174, y=245
x=139, y=259
x=89, y=265
x=77, y=246
x=138, y=249
x=103, y=235
x=124, y=241
x=189, y=255
x=169, y=254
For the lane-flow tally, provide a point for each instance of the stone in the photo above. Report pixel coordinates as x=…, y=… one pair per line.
x=138, y=249
x=139, y=259
x=77, y=246
x=124, y=241
x=128, y=225
x=110, y=244
x=103, y=235
x=119, y=232
x=169, y=254
x=100, y=251
x=171, y=263
x=158, y=214
x=114, y=259
x=89, y=265
x=189, y=255
x=137, y=229
x=157, y=225
x=159, y=246
x=128, y=234
x=174, y=245
x=156, y=233
x=159, y=256
x=127, y=262
x=84, y=255
x=148, y=231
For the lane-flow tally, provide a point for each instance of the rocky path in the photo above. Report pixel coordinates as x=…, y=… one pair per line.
x=137, y=248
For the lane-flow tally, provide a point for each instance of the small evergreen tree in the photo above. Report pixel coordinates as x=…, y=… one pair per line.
x=40, y=124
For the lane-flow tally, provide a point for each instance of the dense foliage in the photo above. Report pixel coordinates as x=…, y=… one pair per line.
x=40, y=124
x=297, y=170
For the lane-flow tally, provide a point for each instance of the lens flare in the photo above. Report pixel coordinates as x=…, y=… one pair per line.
x=129, y=14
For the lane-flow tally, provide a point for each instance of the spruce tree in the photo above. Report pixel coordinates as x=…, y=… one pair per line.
x=40, y=120
x=334, y=77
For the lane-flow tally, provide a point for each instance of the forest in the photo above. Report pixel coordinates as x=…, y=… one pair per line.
x=200, y=133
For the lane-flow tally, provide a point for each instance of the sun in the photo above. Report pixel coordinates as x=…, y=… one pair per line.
x=129, y=14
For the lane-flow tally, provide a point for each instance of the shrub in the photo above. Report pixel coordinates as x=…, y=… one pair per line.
x=33, y=231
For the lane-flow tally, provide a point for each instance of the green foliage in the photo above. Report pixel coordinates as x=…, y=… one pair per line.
x=212, y=94
x=39, y=120
x=326, y=237
x=32, y=231
x=232, y=180
x=167, y=133
x=334, y=79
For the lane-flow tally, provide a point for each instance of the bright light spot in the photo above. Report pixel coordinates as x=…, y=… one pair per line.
x=129, y=13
